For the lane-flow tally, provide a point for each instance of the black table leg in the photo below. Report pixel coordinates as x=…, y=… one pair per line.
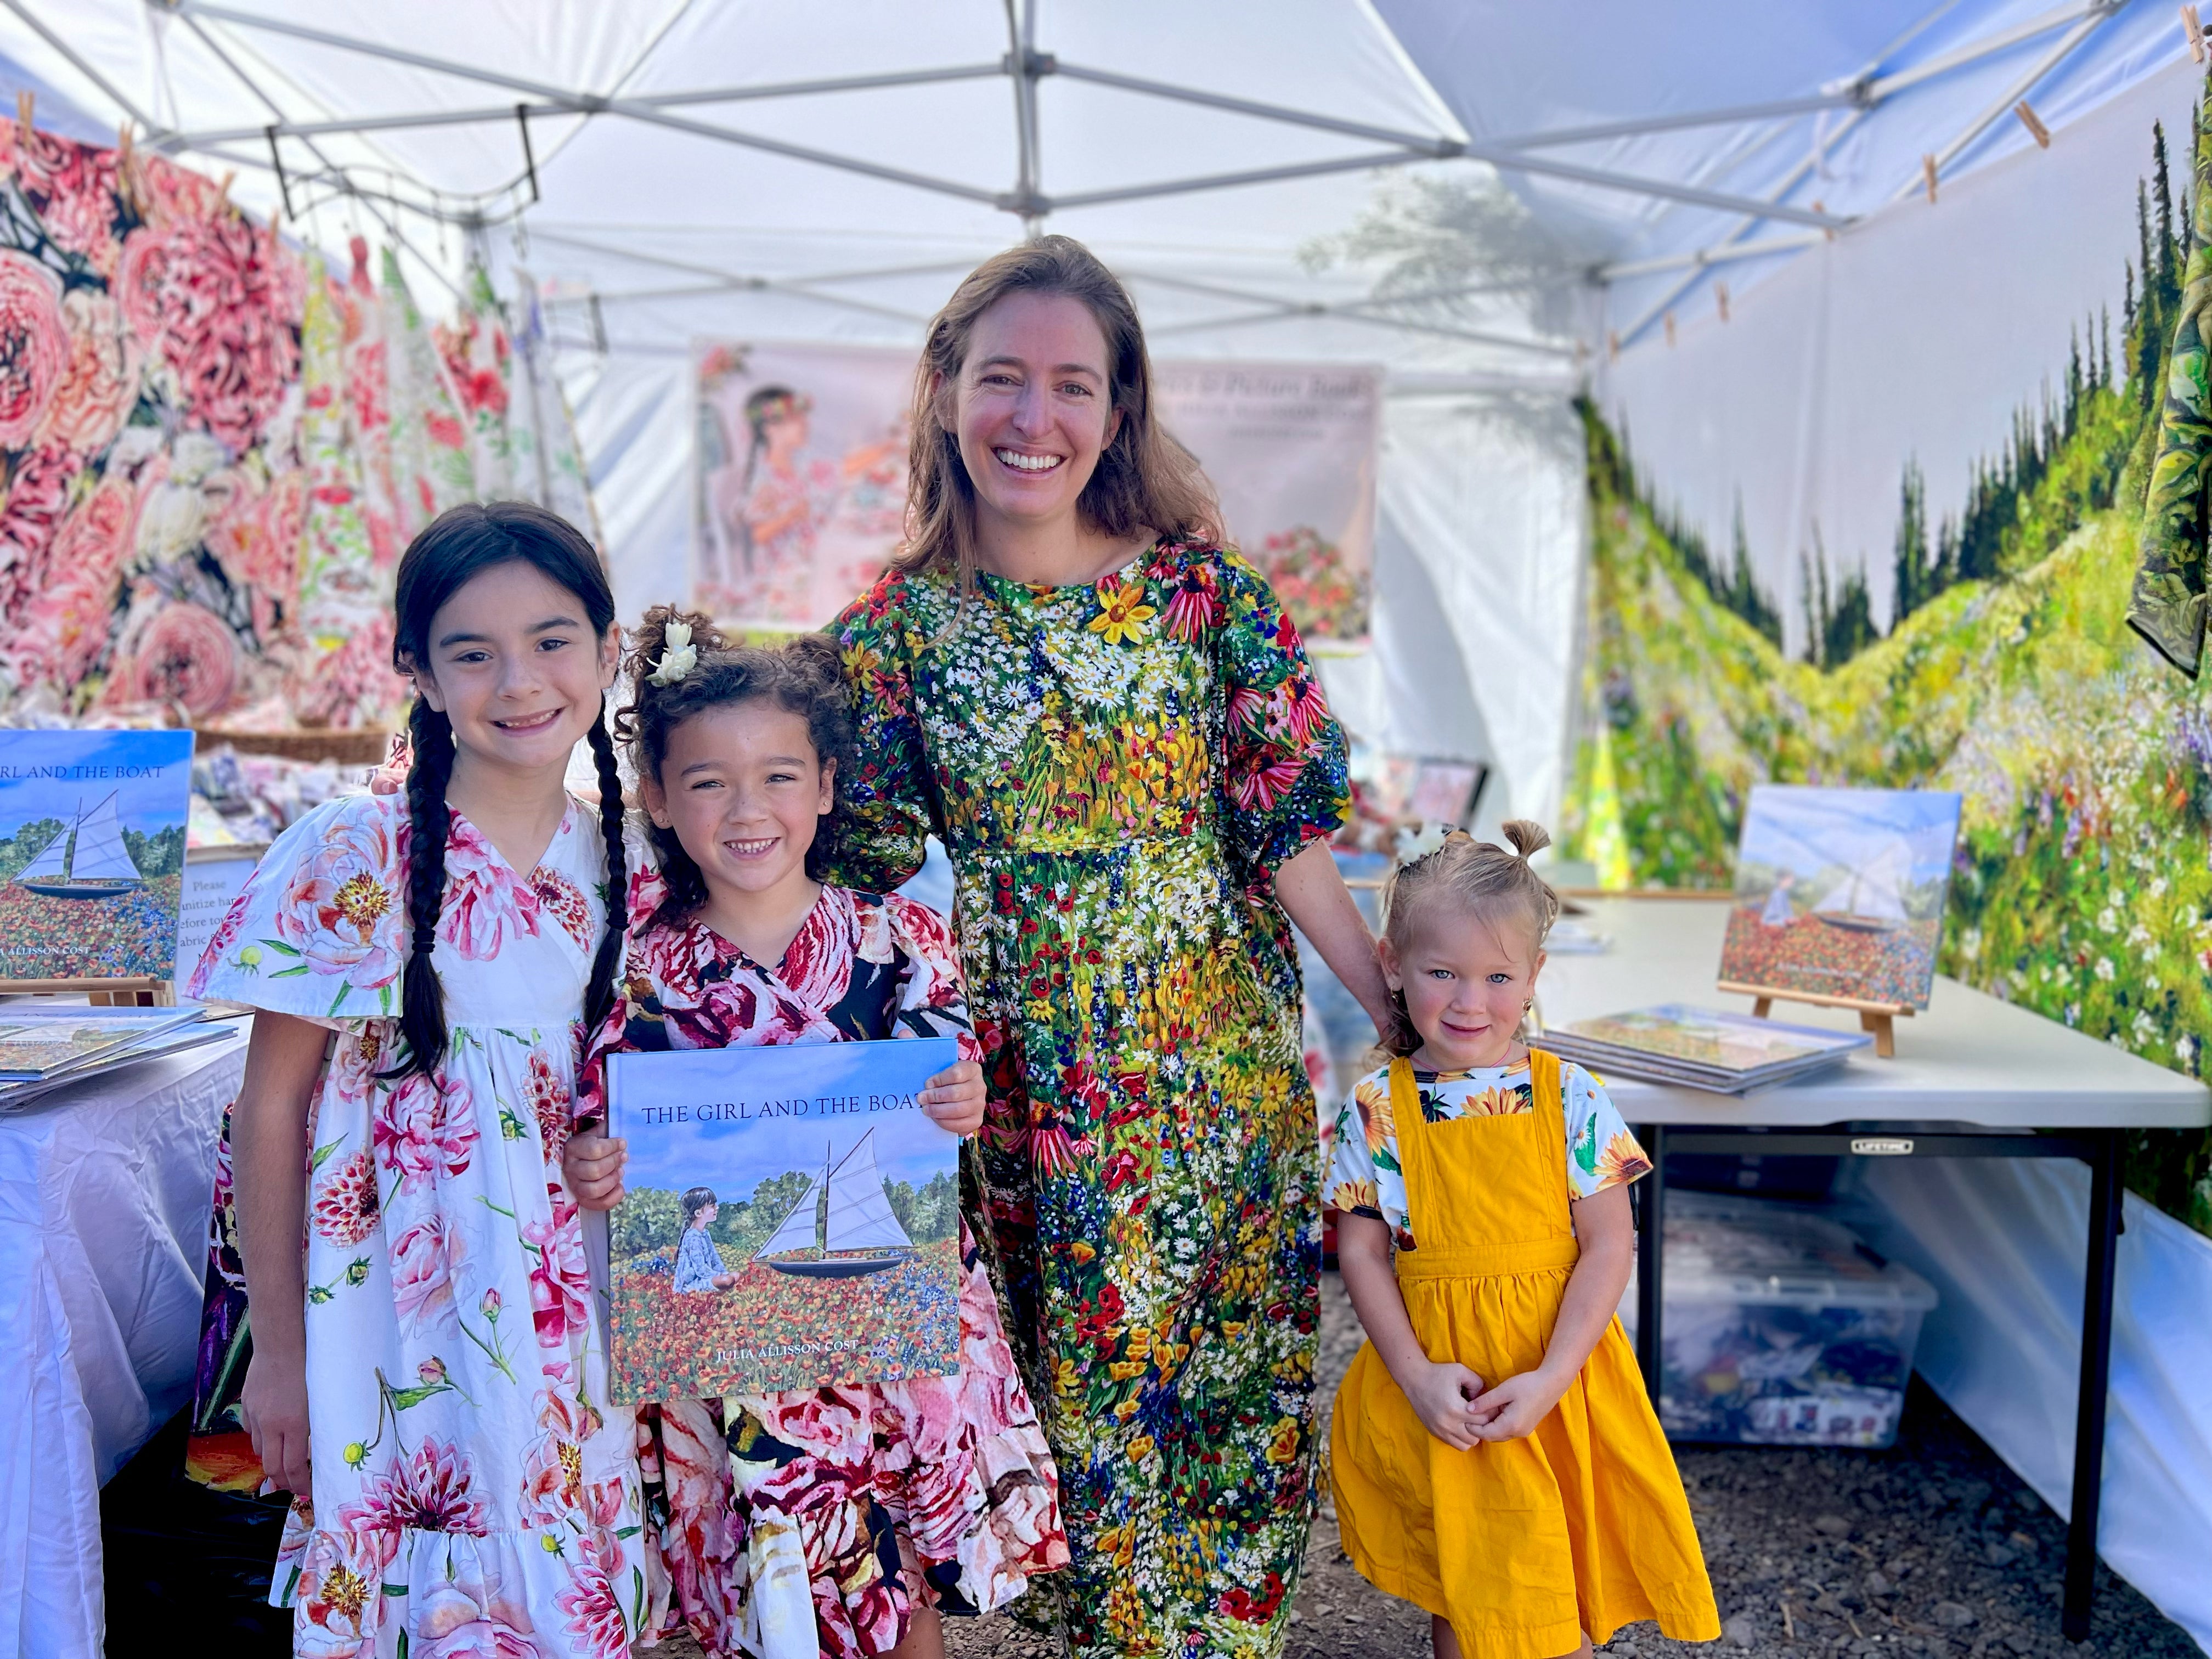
x=1650, y=1232
x=2096, y=1374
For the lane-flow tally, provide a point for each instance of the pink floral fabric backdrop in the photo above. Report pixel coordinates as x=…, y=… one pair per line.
x=214, y=449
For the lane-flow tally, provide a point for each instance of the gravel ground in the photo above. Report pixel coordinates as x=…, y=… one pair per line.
x=1933, y=1548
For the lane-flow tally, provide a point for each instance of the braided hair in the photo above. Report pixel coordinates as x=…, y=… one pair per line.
x=460, y=545
x=804, y=676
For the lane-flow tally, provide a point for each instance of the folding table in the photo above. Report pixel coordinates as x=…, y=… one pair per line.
x=1974, y=1077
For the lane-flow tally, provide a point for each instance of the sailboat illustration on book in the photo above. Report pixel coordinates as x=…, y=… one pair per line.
x=844, y=1220
x=1870, y=898
x=87, y=860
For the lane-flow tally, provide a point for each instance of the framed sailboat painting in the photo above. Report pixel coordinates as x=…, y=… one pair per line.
x=1839, y=894
x=791, y=1219
x=92, y=857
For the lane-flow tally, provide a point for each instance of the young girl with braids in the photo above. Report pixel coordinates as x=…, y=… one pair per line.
x=1495, y=1458
x=425, y=1377
x=837, y=1521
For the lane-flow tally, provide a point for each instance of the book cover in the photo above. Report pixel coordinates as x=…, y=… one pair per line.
x=1840, y=892
x=92, y=852
x=37, y=1042
x=791, y=1219
x=1704, y=1037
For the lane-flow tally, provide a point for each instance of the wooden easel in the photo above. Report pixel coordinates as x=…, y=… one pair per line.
x=1874, y=1017
x=102, y=993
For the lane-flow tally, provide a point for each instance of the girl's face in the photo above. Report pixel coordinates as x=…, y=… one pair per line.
x=1467, y=984
x=743, y=787
x=703, y=1217
x=1033, y=408
x=513, y=663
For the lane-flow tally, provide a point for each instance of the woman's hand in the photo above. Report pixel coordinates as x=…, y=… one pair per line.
x=274, y=1404
x=1444, y=1398
x=954, y=1099
x=592, y=1164
x=1517, y=1404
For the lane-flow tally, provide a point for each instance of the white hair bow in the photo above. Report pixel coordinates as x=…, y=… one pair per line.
x=1414, y=845
x=678, y=656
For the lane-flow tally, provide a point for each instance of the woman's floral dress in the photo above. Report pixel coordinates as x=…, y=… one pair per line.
x=475, y=1493
x=1117, y=770
x=810, y=1521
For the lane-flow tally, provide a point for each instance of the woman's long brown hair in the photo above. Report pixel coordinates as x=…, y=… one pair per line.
x=1144, y=480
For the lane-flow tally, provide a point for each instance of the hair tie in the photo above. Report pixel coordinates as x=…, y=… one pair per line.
x=426, y=937
x=678, y=656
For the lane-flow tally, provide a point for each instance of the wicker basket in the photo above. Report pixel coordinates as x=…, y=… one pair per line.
x=361, y=748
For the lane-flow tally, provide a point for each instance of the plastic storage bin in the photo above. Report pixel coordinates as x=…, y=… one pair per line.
x=1782, y=1329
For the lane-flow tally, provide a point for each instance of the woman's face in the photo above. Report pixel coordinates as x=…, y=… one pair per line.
x=1033, y=407
x=513, y=663
x=743, y=788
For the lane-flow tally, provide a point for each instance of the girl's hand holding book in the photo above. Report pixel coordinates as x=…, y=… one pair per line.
x=953, y=1099
x=592, y=1165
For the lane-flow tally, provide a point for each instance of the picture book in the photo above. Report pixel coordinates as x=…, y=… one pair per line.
x=1840, y=892
x=791, y=1219
x=1700, y=1046
x=42, y=1040
x=92, y=852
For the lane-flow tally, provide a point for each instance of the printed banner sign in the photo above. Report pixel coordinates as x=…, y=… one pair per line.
x=792, y=1220
x=801, y=478
x=92, y=852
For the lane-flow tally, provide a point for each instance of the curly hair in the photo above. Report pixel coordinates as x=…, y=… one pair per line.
x=804, y=676
x=1479, y=878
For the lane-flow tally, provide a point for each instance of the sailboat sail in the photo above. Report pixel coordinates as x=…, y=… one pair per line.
x=101, y=853
x=1875, y=889
x=861, y=1217
x=797, y=1232
x=50, y=865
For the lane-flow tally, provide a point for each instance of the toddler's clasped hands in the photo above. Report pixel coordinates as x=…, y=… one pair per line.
x=1453, y=1405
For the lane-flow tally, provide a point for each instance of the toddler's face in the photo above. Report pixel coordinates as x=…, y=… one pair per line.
x=743, y=788
x=1467, y=982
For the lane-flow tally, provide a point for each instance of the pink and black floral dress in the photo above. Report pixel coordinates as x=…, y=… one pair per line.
x=474, y=1491
x=812, y=1521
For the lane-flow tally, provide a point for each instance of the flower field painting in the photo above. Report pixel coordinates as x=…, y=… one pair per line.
x=1840, y=892
x=792, y=1220
x=92, y=852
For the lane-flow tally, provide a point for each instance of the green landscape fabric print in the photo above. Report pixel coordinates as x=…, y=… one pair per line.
x=2168, y=608
x=2014, y=675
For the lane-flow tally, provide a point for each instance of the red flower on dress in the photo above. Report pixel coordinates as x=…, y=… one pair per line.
x=419, y=1135
x=595, y=1617
x=346, y=1207
x=34, y=346
x=560, y=1278
x=1195, y=605
x=425, y=1261
x=427, y=1492
x=343, y=911
x=551, y=1104
x=553, y=1469
x=565, y=903
x=484, y=901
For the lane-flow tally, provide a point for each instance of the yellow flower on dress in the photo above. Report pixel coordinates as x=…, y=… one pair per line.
x=1284, y=1446
x=1373, y=1097
x=1495, y=1102
x=1123, y=612
x=1348, y=1196
x=1620, y=1159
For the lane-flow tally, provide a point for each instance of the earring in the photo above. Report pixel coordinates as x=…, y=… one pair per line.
x=1528, y=1005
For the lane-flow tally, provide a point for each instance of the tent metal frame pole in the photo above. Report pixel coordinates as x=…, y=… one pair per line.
x=1024, y=67
x=1888, y=86
x=726, y=279
x=76, y=62
x=1634, y=126
x=2012, y=94
x=1287, y=313
x=1704, y=256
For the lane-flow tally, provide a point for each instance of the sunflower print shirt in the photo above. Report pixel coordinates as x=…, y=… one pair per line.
x=1365, y=1177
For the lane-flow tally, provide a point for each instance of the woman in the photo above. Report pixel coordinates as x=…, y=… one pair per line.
x=1114, y=727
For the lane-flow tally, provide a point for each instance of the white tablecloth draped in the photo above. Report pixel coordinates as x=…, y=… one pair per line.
x=104, y=1196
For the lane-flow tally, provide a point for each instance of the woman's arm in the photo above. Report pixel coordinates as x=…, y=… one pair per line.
x=1607, y=1231
x=1312, y=890
x=268, y=1139
x=1442, y=1392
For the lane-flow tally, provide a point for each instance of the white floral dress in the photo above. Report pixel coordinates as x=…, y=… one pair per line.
x=475, y=1493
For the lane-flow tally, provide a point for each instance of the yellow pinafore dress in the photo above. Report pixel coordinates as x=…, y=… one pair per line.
x=1523, y=1545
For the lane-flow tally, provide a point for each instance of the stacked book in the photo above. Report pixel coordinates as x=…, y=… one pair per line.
x=44, y=1045
x=1726, y=1054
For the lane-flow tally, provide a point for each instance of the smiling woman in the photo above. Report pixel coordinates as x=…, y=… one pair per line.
x=1107, y=717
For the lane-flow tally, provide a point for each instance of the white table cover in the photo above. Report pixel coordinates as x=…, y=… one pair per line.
x=104, y=1198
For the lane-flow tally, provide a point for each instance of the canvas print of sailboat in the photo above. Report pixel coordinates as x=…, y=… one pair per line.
x=92, y=852
x=792, y=1220
x=1840, y=892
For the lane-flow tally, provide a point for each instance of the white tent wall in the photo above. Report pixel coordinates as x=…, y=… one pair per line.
x=1919, y=334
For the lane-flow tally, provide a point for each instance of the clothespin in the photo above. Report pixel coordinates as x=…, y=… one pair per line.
x=1612, y=345
x=1720, y=297
x=222, y=190
x=126, y=158
x=2033, y=122
x=1670, y=328
x=1928, y=173
x=2195, y=31
x=24, y=103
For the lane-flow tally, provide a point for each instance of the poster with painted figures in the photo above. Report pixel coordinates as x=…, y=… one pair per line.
x=791, y=1219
